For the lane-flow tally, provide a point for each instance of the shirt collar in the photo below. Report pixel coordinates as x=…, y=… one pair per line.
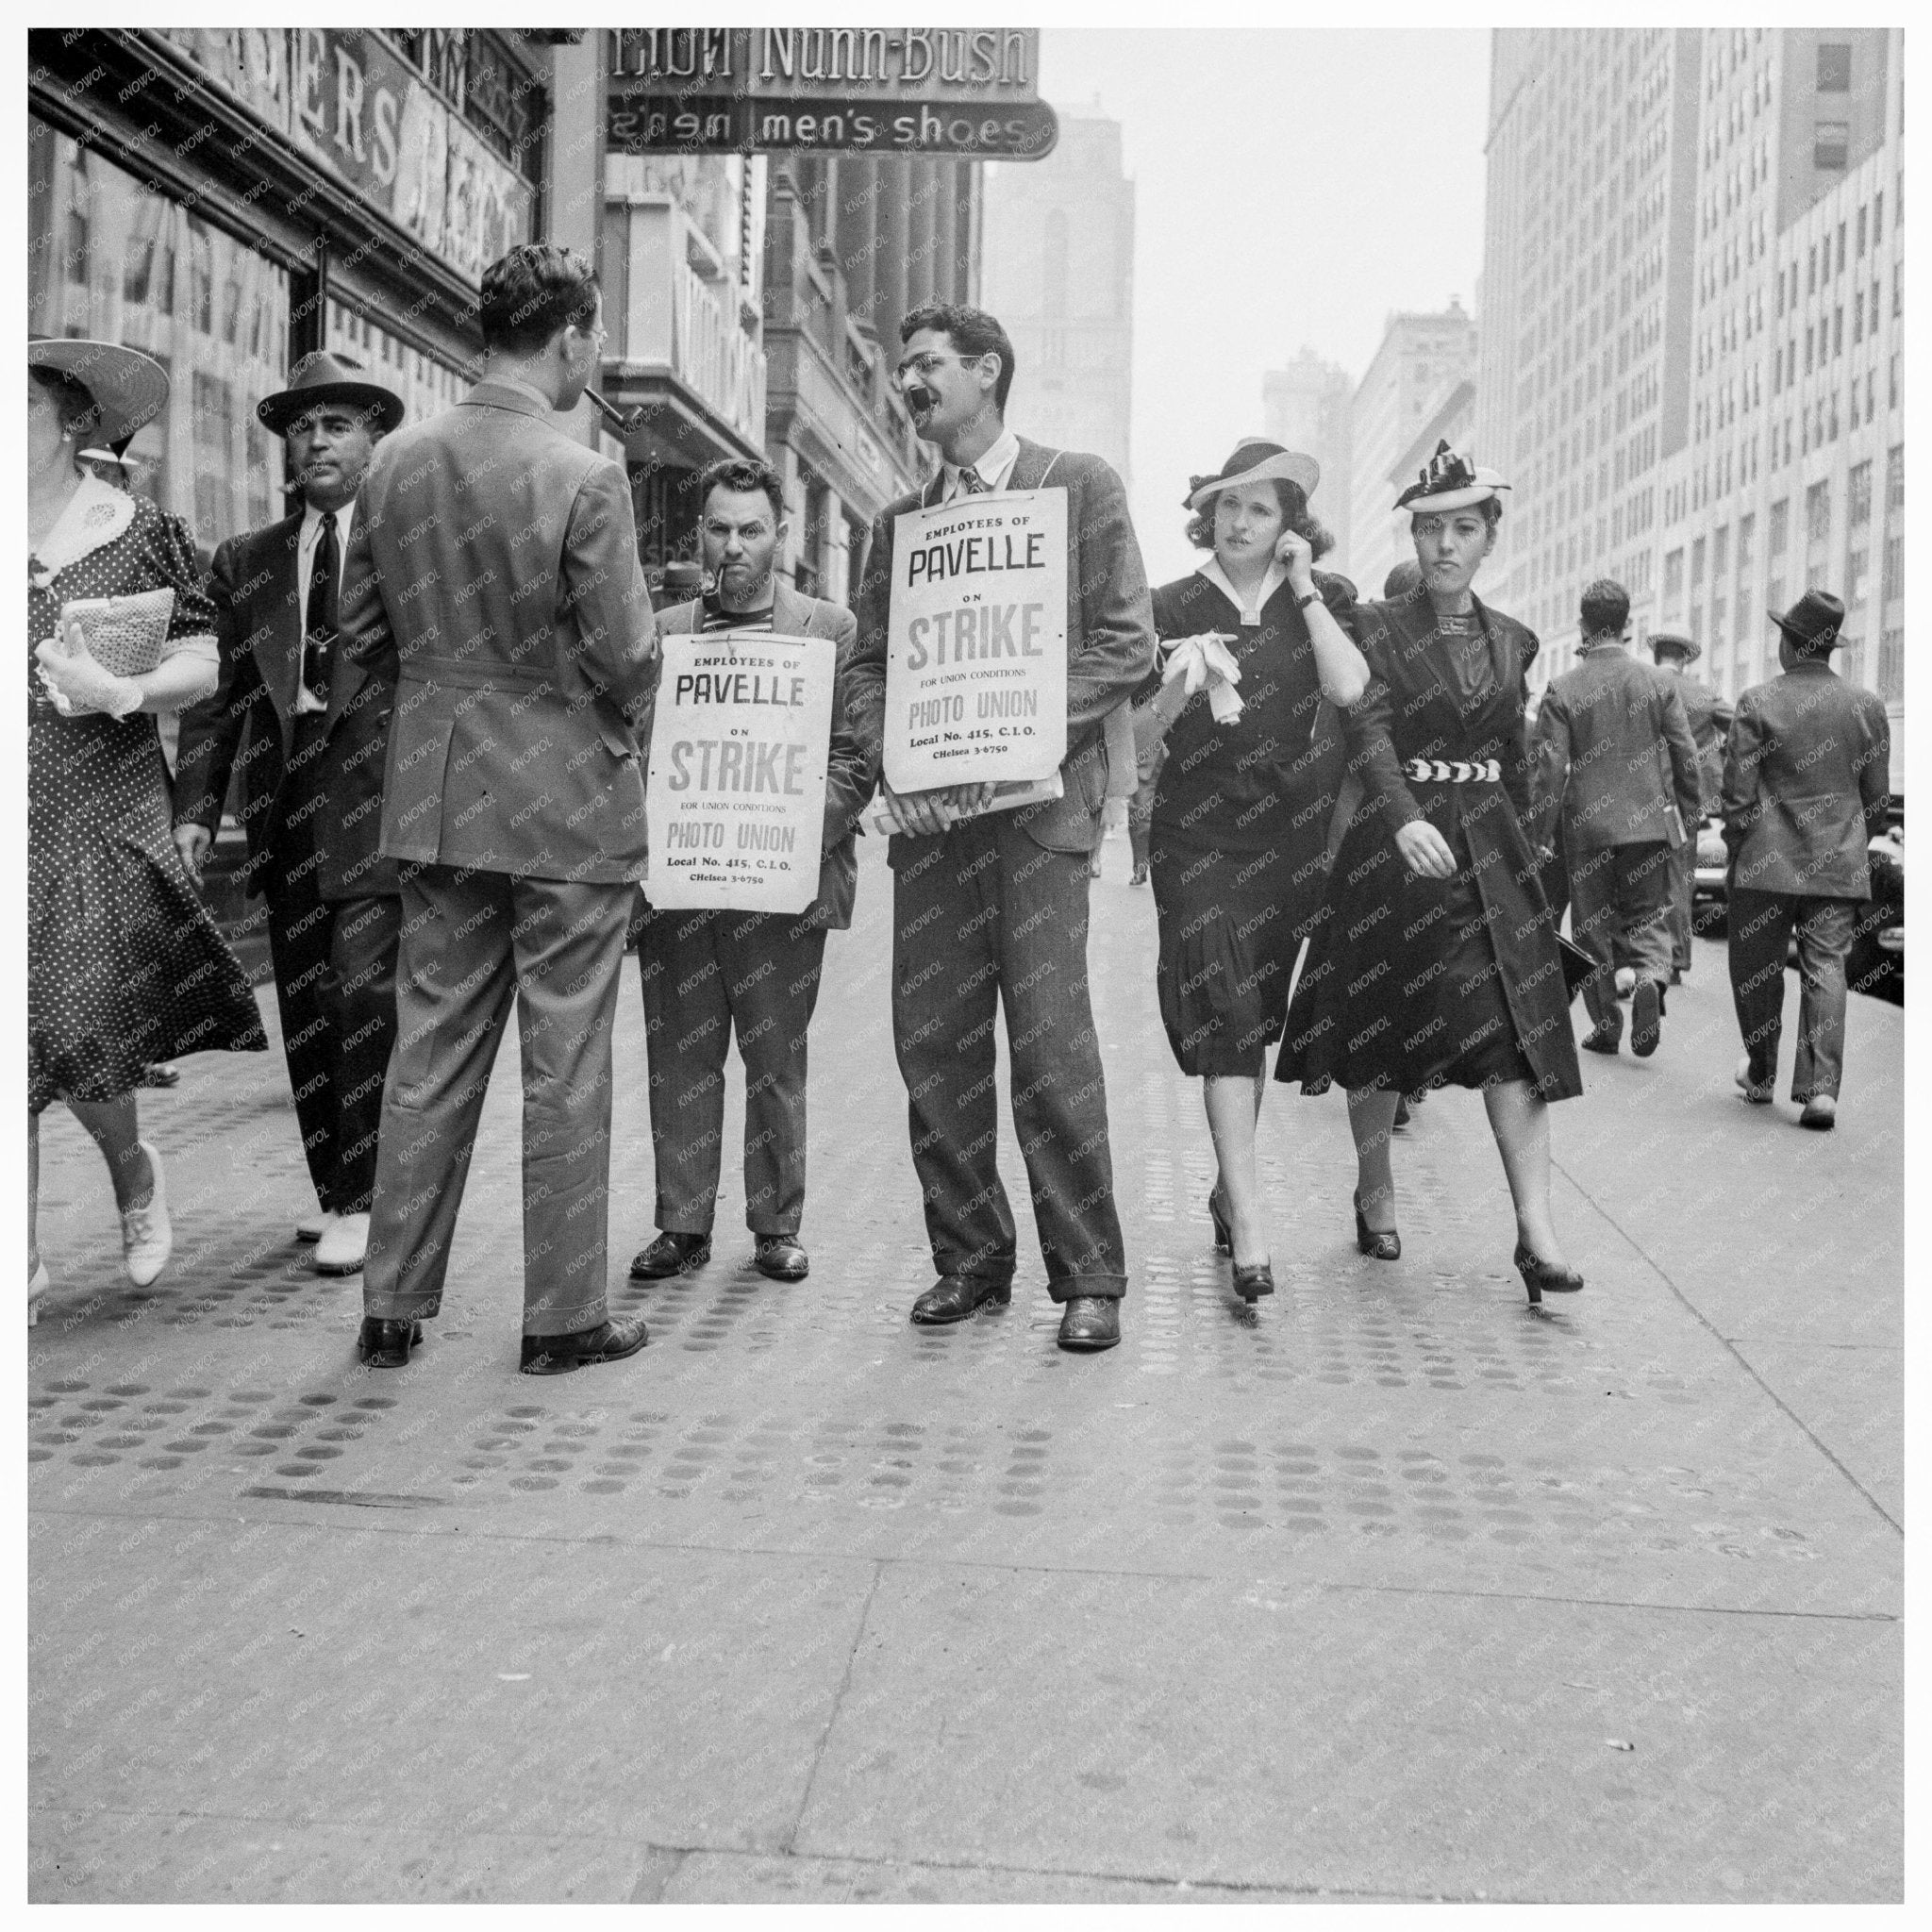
x=994, y=467
x=312, y=523
x=1278, y=576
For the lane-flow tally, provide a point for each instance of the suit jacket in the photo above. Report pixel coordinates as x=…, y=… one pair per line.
x=1110, y=642
x=492, y=574
x=1616, y=761
x=1806, y=776
x=1710, y=718
x=253, y=585
x=851, y=771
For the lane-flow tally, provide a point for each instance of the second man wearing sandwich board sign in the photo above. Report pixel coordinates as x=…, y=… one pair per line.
x=990, y=906
x=712, y=962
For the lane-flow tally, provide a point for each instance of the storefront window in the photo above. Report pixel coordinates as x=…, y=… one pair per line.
x=101, y=256
x=427, y=386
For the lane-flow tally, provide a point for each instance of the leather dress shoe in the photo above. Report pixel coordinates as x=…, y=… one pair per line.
x=1758, y=1092
x=953, y=1297
x=1091, y=1322
x=1820, y=1113
x=671, y=1254
x=779, y=1257
x=1603, y=1040
x=387, y=1344
x=1646, y=1016
x=343, y=1246
x=558, y=1354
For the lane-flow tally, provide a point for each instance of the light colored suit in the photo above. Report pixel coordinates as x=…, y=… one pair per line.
x=492, y=571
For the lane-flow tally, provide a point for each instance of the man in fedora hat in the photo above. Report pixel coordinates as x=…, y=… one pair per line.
x=1710, y=718
x=1618, y=782
x=1807, y=772
x=314, y=726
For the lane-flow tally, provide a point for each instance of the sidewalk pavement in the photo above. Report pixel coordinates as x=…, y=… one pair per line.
x=1392, y=1589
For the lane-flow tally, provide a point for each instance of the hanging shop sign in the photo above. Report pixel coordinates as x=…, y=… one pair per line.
x=350, y=102
x=911, y=91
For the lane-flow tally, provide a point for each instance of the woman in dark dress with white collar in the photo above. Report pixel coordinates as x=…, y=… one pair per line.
x=1252, y=643
x=1435, y=959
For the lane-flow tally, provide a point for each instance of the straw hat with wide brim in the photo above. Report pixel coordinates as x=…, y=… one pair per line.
x=1255, y=461
x=1449, y=481
x=129, y=388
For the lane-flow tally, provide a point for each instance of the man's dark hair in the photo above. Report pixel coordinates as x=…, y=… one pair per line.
x=973, y=333
x=745, y=473
x=532, y=292
x=1606, y=608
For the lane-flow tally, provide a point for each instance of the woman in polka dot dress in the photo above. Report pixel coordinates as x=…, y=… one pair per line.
x=124, y=966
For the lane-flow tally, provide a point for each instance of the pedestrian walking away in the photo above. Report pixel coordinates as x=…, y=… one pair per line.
x=125, y=968
x=493, y=577
x=1255, y=660
x=1617, y=786
x=1710, y=718
x=1434, y=957
x=307, y=728
x=708, y=974
x=990, y=908
x=1808, y=769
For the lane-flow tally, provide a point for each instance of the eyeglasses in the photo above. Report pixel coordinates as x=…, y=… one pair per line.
x=925, y=364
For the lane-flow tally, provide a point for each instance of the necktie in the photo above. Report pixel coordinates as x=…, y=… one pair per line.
x=318, y=644
x=973, y=484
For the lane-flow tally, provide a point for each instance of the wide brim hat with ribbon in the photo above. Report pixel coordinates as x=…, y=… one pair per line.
x=129, y=388
x=1812, y=624
x=1255, y=461
x=1687, y=648
x=1449, y=481
x=321, y=378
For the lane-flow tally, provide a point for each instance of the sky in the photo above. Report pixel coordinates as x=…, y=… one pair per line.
x=1290, y=187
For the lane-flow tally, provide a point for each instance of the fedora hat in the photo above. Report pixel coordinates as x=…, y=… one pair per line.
x=1812, y=622
x=1449, y=481
x=319, y=379
x=129, y=388
x=1255, y=461
x=1687, y=648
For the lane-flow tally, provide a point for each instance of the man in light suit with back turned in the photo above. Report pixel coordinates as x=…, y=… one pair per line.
x=494, y=571
x=990, y=909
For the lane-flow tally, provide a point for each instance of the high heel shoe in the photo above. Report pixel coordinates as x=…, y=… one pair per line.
x=1379, y=1245
x=1539, y=1274
x=37, y=1285
x=1251, y=1282
x=1223, y=1234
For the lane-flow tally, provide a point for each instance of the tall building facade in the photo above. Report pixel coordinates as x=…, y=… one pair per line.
x=1058, y=271
x=1589, y=309
x=1794, y=473
x=1694, y=332
x=1305, y=407
x=1423, y=359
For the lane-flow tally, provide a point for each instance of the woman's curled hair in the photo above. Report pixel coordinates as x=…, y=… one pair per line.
x=1295, y=516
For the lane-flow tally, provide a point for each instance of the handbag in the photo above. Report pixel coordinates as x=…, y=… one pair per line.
x=1579, y=968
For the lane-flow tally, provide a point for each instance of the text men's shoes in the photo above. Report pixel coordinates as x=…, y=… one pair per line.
x=147, y=1236
x=672, y=1254
x=387, y=1344
x=1758, y=1093
x=558, y=1354
x=343, y=1244
x=312, y=1228
x=1820, y=1113
x=953, y=1297
x=780, y=1257
x=1091, y=1322
x=1603, y=1040
x=1646, y=1018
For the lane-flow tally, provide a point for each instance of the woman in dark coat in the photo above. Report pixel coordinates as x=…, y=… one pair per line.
x=1434, y=958
x=1253, y=641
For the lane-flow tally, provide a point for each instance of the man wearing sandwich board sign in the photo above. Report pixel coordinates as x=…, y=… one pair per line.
x=1048, y=624
x=757, y=781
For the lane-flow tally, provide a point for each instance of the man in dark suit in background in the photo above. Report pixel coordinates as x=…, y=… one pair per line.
x=315, y=730
x=494, y=573
x=705, y=971
x=1618, y=784
x=1710, y=718
x=1806, y=773
x=990, y=908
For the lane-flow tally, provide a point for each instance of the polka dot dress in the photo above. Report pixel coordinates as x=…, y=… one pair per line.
x=124, y=966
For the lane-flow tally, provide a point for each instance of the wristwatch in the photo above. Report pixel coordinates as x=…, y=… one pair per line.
x=1303, y=603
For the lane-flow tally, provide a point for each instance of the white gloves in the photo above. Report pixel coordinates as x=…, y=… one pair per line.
x=77, y=684
x=1205, y=659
